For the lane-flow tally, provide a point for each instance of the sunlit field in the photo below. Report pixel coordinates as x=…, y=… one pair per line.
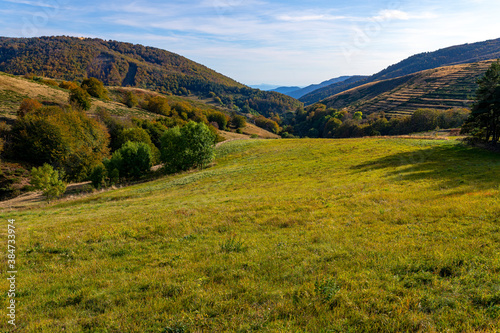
x=360, y=235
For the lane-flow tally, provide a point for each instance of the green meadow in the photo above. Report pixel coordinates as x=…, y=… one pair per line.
x=358, y=235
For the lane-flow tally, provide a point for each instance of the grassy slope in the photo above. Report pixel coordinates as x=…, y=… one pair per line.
x=280, y=236
x=13, y=89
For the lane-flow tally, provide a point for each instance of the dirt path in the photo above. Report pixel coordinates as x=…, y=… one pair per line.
x=33, y=199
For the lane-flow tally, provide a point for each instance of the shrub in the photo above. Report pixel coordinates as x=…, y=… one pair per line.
x=80, y=98
x=68, y=85
x=67, y=139
x=267, y=124
x=132, y=160
x=159, y=105
x=114, y=126
x=98, y=176
x=130, y=99
x=238, y=121
x=219, y=118
x=47, y=179
x=94, y=88
x=28, y=105
x=136, y=134
x=187, y=147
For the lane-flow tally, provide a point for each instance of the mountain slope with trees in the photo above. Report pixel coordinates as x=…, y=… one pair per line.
x=454, y=55
x=124, y=64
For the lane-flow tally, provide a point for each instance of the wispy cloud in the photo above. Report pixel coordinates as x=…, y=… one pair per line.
x=272, y=41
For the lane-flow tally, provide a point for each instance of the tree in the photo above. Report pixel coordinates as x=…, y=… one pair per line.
x=137, y=134
x=484, y=121
x=131, y=99
x=67, y=139
x=46, y=179
x=132, y=160
x=190, y=146
x=94, y=88
x=357, y=115
x=238, y=121
x=27, y=106
x=267, y=124
x=159, y=105
x=80, y=98
x=219, y=118
x=98, y=176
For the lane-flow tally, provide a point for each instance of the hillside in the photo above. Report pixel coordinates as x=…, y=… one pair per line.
x=13, y=89
x=459, y=54
x=124, y=64
x=441, y=88
x=357, y=235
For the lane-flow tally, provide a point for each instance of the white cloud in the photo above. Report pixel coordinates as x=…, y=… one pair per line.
x=306, y=18
x=391, y=14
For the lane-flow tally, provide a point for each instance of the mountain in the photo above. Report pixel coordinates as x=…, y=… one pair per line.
x=440, y=88
x=297, y=92
x=263, y=86
x=454, y=55
x=124, y=64
x=332, y=89
x=286, y=90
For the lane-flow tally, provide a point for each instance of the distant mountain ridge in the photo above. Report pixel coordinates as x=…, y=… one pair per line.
x=297, y=92
x=286, y=90
x=332, y=89
x=454, y=55
x=125, y=64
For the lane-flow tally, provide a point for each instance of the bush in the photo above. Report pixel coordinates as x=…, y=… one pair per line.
x=132, y=160
x=68, y=85
x=115, y=126
x=219, y=118
x=159, y=105
x=267, y=124
x=80, y=98
x=238, y=121
x=136, y=134
x=47, y=179
x=190, y=146
x=98, y=176
x=94, y=88
x=130, y=99
x=28, y=105
x=67, y=139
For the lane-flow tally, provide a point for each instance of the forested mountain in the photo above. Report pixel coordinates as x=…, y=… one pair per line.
x=460, y=54
x=124, y=64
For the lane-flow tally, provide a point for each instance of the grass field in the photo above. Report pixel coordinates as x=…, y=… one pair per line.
x=361, y=235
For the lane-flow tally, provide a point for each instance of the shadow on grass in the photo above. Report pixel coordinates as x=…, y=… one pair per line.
x=448, y=166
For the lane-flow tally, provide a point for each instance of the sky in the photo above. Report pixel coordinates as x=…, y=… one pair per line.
x=289, y=43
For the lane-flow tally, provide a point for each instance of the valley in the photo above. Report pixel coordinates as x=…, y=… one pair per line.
x=184, y=201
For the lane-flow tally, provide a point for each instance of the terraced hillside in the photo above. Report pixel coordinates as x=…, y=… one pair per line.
x=441, y=88
x=454, y=55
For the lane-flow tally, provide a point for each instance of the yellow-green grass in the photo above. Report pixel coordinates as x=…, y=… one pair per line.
x=361, y=235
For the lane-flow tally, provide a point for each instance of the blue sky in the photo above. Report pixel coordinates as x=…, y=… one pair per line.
x=259, y=41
